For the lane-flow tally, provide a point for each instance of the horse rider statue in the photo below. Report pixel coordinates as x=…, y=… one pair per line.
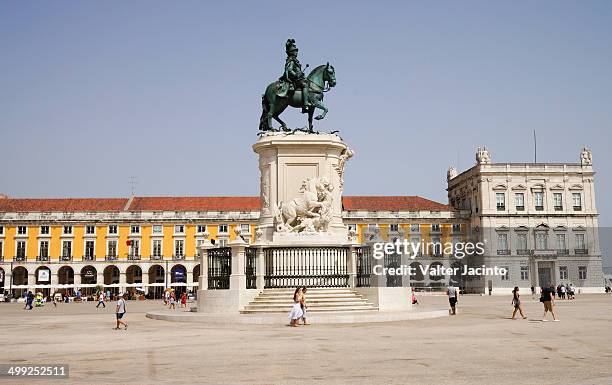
x=294, y=75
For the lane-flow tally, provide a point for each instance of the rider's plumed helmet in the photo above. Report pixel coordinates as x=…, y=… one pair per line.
x=290, y=46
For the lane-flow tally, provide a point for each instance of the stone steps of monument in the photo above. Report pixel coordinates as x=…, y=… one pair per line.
x=318, y=300
x=338, y=309
x=324, y=300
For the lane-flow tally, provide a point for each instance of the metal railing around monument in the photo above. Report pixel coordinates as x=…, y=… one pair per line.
x=219, y=268
x=364, y=266
x=305, y=266
x=250, y=267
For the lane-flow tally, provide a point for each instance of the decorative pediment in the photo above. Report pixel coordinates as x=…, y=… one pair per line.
x=560, y=228
x=538, y=187
x=579, y=228
x=542, y=226
x=576, y=187
x=521, y=228
x=502, y=228
x=519, y=187
x=557, y=187
x=500, y=187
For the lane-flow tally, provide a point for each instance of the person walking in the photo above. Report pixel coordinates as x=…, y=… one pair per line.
x=516, y=301
x=452, y=299
x=101, y=300
x=303, y=305
x=172, y=300
x=184, y=299
x=29, y=301
x=563, y=291
x=120, y=312
x=296, y=311
x=548, y=299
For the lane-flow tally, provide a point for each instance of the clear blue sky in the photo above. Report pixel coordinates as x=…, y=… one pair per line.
x=94, y=92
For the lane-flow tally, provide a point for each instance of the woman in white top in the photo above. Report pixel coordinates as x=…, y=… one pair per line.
x=296, y=311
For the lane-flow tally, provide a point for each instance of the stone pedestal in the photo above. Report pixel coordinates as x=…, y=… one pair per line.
x=285, y=162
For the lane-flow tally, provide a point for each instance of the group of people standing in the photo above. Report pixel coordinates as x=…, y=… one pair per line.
x=564, y=291
x=170, y=299
x=298, y=311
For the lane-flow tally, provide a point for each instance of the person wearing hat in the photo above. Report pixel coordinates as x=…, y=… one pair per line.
x=120, y=312
x=294, y=74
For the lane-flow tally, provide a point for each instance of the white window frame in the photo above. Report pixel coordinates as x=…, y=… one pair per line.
x=521, y=201
x=64, y=243
x=524, y=273
x=113, y=227
x=25, y=248
x=201, y=229
x=221, y=226
x=394, y=227
x=159, y=227
x=116, y=254
x=1, y=230
x=502, y=241
x=179, y=229
x=85, y=248
x=40, y=242
x=178, y=242
x=561, y=236
x=583, y=272
x=414, y=226
x=500, y=201
x=67, y=230
x=563, y=273
x=506, y=277
x=538, y=197
x=48, y=228
x=245, y=228
x=558, y=201
x=134, y=249
x=135, y=227
x=582, y=243
x=519, y=241
x=19, y=233
x=87, y=227
x=161, y=247
x=541, y=235
x=577, y=198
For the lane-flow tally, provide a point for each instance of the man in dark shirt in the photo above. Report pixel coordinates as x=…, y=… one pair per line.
x=29, y=300
x=548, y=299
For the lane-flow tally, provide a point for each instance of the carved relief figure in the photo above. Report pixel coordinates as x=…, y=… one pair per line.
x=344, y=156
x=310, y=212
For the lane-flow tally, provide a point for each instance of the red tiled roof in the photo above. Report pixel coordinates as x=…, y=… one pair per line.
x=349, y=203
x=62, y=205
x=195, y=204
x=391, y=203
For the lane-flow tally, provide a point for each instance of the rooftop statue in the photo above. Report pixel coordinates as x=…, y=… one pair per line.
x=297, y=90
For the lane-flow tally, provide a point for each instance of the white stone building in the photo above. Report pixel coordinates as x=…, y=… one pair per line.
x=539, y=220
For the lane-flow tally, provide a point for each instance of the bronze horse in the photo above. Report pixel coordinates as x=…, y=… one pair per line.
x=273, y=105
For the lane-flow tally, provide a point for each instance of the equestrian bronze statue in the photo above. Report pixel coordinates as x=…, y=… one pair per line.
x=295, y=89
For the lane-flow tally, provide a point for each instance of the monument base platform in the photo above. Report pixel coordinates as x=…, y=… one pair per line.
x=308, y=239
x=279, y=319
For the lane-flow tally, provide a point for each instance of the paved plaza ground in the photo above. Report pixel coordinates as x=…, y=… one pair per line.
x=478, y=346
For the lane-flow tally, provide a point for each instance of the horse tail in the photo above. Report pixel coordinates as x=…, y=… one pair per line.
x=265, y=108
